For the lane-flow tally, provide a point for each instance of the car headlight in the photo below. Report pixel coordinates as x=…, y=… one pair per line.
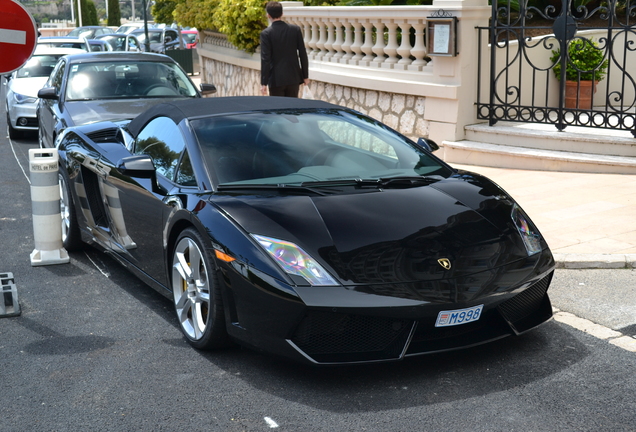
x=530, y=236
x=20, y=98
x=293, y=260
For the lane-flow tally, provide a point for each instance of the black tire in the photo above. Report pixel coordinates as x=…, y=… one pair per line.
x=71, y=237
x=196, y=293
x=13, y=133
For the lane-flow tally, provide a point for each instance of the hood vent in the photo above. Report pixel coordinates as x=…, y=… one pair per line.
x=105, y=135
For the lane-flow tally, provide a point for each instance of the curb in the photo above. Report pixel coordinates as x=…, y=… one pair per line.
x=595, y=261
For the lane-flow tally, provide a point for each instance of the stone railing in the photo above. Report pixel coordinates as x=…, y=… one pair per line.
x=375, y=60
x=351, y=35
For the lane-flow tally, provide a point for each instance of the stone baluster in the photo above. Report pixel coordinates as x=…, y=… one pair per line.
x=337, y=44
x=346, y=45
x=405, y=47
x=392, y=46
x=419, y=49
x=320, y=45
x=367, y=47
x=306, y=26
x=378, y=48
x=329, y=51
x=356, y=47
x=314, y=39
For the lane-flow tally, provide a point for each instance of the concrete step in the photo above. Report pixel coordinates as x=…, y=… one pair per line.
x=506, y=156
x=546, y=137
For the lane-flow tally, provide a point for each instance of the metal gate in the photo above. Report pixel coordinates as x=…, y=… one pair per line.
x=592, y=40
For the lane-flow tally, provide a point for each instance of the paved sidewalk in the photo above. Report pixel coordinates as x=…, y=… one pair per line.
x=589, y=220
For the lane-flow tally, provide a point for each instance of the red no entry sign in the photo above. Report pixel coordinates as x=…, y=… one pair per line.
x=18, y=36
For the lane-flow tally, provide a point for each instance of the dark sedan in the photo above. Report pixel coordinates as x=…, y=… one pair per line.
x=304, y=229
x=91, y=87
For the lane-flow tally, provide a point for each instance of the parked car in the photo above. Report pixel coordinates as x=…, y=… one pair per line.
x=90, y=87
x=64, y=42
x=122, y=42
x=129, y=27
x=161, y=39
x=304, y=229
x=192, y=38
x=98, y=45
x=89, y=32
x=23, y=86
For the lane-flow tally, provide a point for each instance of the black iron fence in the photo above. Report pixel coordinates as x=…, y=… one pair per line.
x=564, y=62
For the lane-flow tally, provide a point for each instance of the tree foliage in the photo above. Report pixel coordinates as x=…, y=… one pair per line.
x=163, y=11
x=89, y=13
x=114, y=13
x=196, y=13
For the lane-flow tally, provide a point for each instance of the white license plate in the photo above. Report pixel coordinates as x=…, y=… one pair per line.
x=458, y=316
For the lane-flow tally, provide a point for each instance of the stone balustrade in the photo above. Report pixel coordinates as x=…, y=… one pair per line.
x=375, y=60
x=372, y=37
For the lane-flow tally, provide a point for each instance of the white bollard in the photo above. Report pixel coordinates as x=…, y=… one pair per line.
x=45, y=203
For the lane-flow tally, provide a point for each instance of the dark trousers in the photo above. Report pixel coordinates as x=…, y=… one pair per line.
x=288, y=90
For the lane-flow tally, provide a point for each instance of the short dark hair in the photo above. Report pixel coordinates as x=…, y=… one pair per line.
x=274, y=9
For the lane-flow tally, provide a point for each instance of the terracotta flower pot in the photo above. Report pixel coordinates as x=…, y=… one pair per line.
x=579, y=94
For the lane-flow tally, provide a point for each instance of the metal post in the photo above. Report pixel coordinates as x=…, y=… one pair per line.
x=147, y=43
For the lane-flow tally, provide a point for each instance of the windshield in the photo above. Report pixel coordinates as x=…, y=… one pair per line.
x=124, y=80
x=63, y=44
x=81, y=32
x=190, y=37
x=301, y=148
x=38, y=66
x=154, y=37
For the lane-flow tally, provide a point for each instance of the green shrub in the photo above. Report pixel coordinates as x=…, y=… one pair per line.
x=584, y=58
x=242, y=21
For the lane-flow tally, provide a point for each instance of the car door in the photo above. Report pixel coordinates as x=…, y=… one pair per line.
x=145, y=206
x=49, y=109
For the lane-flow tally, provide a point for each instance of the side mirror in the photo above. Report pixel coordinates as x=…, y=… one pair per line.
x=207, y=89
x=140, y=166
x=428, y=144
x=48, y=93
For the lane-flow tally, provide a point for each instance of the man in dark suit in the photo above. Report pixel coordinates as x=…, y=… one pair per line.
x=284, y=64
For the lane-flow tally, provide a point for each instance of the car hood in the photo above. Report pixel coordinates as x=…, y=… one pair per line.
x=392, y=235
x=83, y=112
x=28, y=86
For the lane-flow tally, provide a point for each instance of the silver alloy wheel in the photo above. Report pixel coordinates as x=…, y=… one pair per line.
x=191, y=288
x=65, y=209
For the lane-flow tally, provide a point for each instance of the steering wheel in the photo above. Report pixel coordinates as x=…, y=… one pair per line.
x=159, y=90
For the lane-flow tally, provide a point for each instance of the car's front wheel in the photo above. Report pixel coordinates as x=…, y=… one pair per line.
x=196, y=293
x=71, y=238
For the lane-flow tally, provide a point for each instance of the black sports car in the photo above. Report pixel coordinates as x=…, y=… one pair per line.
x=304, y=229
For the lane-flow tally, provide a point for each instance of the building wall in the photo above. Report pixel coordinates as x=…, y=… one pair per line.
x=404, y=113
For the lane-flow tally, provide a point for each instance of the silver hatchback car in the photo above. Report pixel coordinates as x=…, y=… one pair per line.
x=23, y=86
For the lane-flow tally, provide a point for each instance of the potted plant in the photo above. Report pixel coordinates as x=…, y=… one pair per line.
x=585, y=66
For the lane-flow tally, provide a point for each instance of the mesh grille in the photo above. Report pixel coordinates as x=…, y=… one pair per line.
x=105, y=135
x=334, y=337
x=525, y=303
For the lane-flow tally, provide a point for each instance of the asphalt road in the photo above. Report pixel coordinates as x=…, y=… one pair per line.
x=97, y=350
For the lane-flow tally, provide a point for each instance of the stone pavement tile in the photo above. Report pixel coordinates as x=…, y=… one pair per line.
x=599, y=246
x=578, y=213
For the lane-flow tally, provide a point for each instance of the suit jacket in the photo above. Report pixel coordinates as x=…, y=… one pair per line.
x=283, y=55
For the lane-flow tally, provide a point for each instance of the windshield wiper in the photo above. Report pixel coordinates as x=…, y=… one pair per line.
x=277, y=187
x=408, y=181
x=343, y=182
